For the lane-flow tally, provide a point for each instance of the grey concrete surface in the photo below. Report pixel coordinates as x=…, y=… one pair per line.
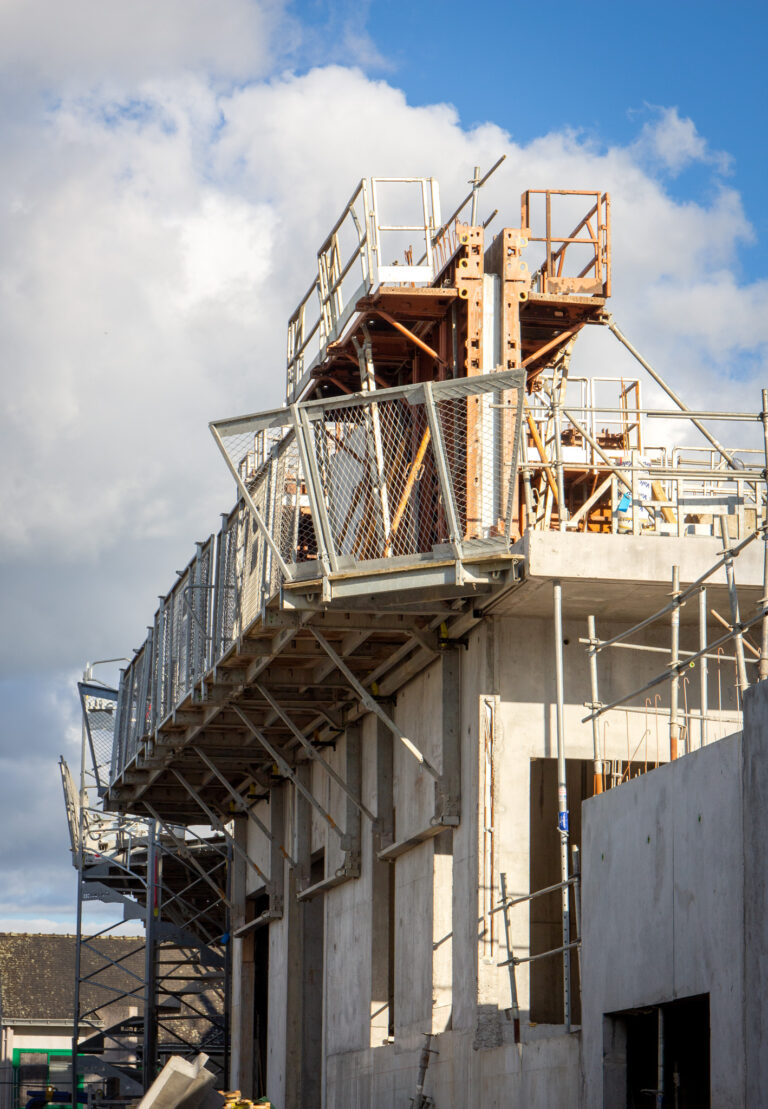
x=674, y=903
x=667, y=899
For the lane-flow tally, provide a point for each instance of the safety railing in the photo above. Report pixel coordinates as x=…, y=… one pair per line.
x=395, y=473
x=424, y=471
x=576, y=261
x=182, y=631
x=613, y=480
x=371, y=244
x=751, y=661
x=570, y=892
x=99, y=707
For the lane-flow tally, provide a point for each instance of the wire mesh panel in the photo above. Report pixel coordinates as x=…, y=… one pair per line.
x=254, y=554
x=480, y=433
x=417, y=467
x=226, y=592
x=134, y=707
x=162, y=672
x=266, y=459
x=378, y=477
x=179, y=642
x=293, y=526
x=99, y=706
x=199, y=600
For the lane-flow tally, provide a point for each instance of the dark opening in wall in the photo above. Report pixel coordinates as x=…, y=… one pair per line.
x=658, y=1055
x=546, y=912
x=546, y=996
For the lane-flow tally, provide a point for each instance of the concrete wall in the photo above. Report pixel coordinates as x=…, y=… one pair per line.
x=446, y=944
x=755, y=940
x=675, y=903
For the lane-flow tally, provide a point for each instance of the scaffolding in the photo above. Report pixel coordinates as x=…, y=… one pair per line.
x=432, y=434
x=161, y=991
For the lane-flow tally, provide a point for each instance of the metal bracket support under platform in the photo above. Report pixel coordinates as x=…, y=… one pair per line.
x=372, y=705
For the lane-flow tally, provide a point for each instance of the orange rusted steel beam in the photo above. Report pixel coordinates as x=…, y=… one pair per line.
x=408, y=334
x=542, y=454
x=339, y=384
x=658, y=491
x=415, y=467
x=563, y=337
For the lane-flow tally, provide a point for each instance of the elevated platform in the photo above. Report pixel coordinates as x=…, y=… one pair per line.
x=280, y=675
x=428, y=468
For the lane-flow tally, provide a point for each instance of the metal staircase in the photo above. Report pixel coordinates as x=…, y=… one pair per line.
x=140, y=998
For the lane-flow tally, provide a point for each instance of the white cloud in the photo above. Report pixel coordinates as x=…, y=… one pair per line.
x=87, y=40
x=156, y=230
x=674, y=142
x=151, y=258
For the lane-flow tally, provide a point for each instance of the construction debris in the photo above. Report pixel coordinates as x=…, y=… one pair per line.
x=182, y=1084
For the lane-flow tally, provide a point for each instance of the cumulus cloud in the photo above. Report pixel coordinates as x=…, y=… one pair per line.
x=158, y=223
x=674, y=143
x=86, y=40
x=150, y=261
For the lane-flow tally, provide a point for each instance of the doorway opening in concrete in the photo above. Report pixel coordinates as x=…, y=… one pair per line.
x=260, y=998
x=313, y=946
x=546, y=997
x=545, y=921
x=658, y=1052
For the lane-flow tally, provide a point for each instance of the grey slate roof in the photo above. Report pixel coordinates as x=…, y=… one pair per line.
x=37, y=973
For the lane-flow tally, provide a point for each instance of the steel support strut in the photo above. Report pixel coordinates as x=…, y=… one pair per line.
x=244, y=806
x=289, y=774
x=314, y=754
x=372, y=705
x=219, y=826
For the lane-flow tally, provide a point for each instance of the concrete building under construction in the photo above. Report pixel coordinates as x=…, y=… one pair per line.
x=467, y=689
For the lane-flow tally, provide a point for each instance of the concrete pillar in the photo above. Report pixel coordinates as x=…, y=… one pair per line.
x=382, y=880
x=354, y=777
x=448, y=807
x=298, y=879
x=241, y=1013
x=442, y=931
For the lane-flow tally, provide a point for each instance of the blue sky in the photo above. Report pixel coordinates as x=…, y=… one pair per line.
x=599, y=70
x=170, y=167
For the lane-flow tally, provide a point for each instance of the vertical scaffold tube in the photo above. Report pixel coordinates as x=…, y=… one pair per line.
x=674, y=689
x=762, y=669
x=703, y=676
x=733, y=597
x=149, y=1049
x=597, y=779
x=562, y=801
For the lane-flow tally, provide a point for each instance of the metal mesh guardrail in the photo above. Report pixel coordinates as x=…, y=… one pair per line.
x=372, y=243
x=391, y=473
x=415, y=472
x=403, y=471
x=99, y=705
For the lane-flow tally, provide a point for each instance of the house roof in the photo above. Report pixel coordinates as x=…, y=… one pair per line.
x=37, y=973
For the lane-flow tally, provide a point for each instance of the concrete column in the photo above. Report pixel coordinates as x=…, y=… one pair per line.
x=382, y=880
x=354, y=777
x=276, y=858
x=241, y=1013
x=298, y=879
x=448, y=789
x=442, y=931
